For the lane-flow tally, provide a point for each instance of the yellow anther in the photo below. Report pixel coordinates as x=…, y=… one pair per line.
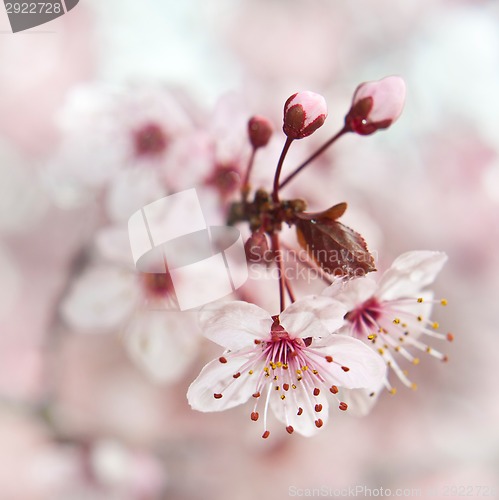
x=444, y=302
x=397, y=348
x=299, y=378
x=396, y=321
x=315, y=372
x=393, y=390
x=404, y=325
x=428, y=350
x=277, y=387
x=283, y=397
x=293, y=386
x=420, y=299
x=285, y=366
x=279, y=364
x=415, y=361
x=381, y=351
x=298, y=372
x=304, y=368
x=276, y=377
x=420, y=318
x=414, y=386
x=265, y=369
x=251, y=372
x=435, y=325
x=372, y=336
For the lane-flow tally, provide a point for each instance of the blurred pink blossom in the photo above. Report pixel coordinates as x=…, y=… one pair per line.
x=141, y=305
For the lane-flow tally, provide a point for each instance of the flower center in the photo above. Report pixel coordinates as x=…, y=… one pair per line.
x=150, y=140
x=225, y=179
x=157, y=285
x=364, y=317
x=292, y=371
x=394, y=326
x=277, y=332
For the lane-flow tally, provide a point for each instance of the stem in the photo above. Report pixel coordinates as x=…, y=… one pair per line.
x=278, y=254
x=291, y=295
x=275, y=192
x=245, y=187
x=314, y=156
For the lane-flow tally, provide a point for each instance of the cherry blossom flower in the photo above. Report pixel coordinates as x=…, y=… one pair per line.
x=107, y=297
x=289, y=362
x=214, y=156
x=109, y=129
x=394, y=313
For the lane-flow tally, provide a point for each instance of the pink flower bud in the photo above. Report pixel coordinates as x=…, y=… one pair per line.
x=304, y=113
x=257, y=248
x=376, y=105
x=260, y=130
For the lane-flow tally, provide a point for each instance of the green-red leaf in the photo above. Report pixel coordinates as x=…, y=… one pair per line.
x=336, y=248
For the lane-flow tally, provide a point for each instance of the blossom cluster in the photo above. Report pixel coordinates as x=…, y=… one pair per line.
x=341, y=343
x=337, y=342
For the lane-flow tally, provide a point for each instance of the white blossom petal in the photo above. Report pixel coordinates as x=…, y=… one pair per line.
x=365, y=368
x=235, y=325
x=101, y=298
x=162, y=343
x=218, y=378
x=360, y=401
x=313, y=316
x=130, y=190
x=410, y=273
x=113, y=243
x=353, y=292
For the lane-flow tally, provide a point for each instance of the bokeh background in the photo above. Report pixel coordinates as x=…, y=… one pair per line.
x=83, y=415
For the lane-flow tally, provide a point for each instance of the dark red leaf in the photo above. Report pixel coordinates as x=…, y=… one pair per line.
x=336, y=248
x=333, y=213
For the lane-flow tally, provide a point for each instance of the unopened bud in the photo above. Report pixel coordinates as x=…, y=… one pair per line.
x=304, y=113
x=376, y=105
x=257, y=248
x=260, y=130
